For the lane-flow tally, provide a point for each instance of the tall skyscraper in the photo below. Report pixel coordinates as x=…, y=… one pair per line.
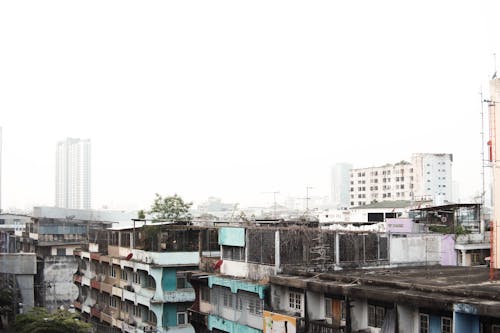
x=0, y=169
x=73, y=174
x=340, y=185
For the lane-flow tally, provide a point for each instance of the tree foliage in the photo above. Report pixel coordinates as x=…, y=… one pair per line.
x=6, y=303
x=171, y=208
x=39, y=320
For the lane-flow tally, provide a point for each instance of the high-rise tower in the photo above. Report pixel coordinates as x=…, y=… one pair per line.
x=73, y=174
x=340, y=185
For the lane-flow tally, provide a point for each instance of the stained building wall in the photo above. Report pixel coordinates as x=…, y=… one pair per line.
x=57, y=286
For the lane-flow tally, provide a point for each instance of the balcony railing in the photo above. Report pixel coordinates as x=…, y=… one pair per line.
x=95, y=284
x=95, y=312
x=106, y=317
x=197, y=317
x=323, y=327
x=106, y=287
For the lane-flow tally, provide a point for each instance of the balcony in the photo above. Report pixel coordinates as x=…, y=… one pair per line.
x=197, y=318
x=117, y=292
x=77, y=305
x=77, y=278
x=179, y=295
x=95, y=284
x=95, y=312
x=129, y=295
x=316, y=326
x=106, y=287
x=107, y=318
x=128, y=328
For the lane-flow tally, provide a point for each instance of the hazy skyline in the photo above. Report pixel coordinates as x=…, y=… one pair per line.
x=233, y=99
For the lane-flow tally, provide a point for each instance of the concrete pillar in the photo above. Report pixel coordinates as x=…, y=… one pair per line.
x=337, y=249
x=464, y=258
x=277, y=259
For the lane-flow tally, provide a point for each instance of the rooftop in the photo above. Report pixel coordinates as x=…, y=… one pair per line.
x=428, y=286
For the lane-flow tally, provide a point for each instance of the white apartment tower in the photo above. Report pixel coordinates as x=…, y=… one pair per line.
x=0, y=169
x=340, y=185
x=426, y=177
x=73, y=174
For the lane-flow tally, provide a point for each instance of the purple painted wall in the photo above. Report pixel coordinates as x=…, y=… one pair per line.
x=448, y=253
x=399, y=225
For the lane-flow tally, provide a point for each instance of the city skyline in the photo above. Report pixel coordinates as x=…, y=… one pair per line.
x=233, y=100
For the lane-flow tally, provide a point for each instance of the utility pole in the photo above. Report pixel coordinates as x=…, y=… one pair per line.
x=274, y=205
x=307, y=198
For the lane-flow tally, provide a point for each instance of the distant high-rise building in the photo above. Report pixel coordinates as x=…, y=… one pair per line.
x=427, y=177
x=340, y=185
x=73, y=174
x=0, y=169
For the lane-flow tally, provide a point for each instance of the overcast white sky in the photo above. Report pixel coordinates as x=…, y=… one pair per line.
x=236, y=98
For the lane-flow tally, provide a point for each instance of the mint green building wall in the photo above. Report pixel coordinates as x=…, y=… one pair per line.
x=169, y=279
x=232, y=236
x=170, y=314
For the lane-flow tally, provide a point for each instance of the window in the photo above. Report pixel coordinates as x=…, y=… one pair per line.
x=136, y=311
x=124, y=275
x=446, y=325
x=150, y=282
x=181, y=282
x=328, y=308
x=205, y=294
x=376, y=316
x=342, y=310
x=495, y=328
x=424, y=323
x=228, y=299
x=294, y=300
x=181, y=318
x=61, y=251
x=233, y=253
x=136, y=278
x=255, y=306
x=112, y=273
x=239, y=305
x=112, y=302
x=151, y=317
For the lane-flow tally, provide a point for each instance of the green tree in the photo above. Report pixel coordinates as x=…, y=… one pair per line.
x=6, y=304
x=39, y=320
x=171, y=208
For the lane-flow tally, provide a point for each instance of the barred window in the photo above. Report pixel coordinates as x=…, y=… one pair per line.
x=294, y=300
x=376, y=315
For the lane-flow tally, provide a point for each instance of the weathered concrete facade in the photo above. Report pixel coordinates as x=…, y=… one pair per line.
x=23, y=267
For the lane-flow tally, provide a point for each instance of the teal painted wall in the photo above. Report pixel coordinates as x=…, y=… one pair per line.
x=170, y=314
x=229, y=326
x=169, y=279
x=434, y=324
x=466, y=323
x=232, y=236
